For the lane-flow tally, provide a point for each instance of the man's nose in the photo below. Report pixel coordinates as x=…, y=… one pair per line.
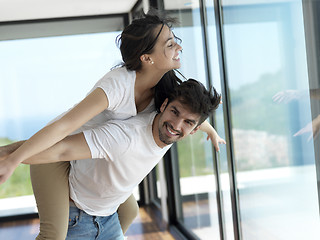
x=177, y=125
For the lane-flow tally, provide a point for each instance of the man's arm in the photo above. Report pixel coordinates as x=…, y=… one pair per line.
x=315, y=93
x=8, y=149
x=73, y=147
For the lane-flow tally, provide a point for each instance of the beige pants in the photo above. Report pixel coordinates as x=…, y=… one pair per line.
x=51, y=190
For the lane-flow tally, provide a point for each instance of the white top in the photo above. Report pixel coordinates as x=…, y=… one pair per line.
x=98, y=186
x=118, y=85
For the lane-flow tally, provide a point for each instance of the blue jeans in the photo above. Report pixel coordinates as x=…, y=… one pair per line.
x=83, y=226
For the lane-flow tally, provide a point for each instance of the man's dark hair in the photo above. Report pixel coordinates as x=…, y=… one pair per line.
x=196, y=98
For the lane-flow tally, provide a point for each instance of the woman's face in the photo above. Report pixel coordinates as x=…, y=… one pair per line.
x=166, y=51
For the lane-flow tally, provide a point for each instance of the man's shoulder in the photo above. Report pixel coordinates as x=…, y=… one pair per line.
x=141, y=119
x=136, y=127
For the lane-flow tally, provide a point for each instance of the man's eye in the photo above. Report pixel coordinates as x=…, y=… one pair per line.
x=174, y=112
x=190, y=123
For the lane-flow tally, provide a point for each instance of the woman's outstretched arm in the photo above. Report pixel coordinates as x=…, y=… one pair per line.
x=88, y=108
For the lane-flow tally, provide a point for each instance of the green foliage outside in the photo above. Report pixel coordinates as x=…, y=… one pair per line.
x=195, y=157
x=252, y=106
x=5, y=141
x=19, y=184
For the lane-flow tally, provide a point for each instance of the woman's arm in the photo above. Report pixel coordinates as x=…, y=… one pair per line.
x=212, y=134
x=89, y=107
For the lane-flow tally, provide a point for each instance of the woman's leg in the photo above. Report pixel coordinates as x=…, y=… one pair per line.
x=51, y=189
x=127, y=212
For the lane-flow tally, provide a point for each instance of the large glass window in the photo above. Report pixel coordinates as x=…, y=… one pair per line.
x=268, y=85
x=197, y=186
x=268, y=59
x=219, y=120
x=42, y=77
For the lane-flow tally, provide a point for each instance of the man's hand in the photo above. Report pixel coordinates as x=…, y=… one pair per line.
x=4, y=152
x=313, y=128
x=216, y=140
x=212, y=135
x=7, y=167
x=8, y=149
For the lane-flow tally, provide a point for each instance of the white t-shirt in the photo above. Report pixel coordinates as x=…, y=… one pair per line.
x=118, y=85
x=123, y=153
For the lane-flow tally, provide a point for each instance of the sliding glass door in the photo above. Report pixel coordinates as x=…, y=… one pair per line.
x=269, y=97
x=264, y=58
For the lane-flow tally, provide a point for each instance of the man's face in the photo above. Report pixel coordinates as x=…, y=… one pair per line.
x=176, y=122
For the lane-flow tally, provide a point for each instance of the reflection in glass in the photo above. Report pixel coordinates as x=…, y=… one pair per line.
x=276, y=175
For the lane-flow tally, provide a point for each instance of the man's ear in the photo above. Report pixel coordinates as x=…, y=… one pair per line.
x=195, y=130
x=164, y=104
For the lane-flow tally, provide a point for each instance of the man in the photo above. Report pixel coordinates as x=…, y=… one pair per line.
x=123, y=153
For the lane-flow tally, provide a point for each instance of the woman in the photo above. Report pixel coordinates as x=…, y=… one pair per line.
x=149, y=50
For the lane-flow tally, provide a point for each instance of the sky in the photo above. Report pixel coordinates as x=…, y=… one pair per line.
x=43, y=77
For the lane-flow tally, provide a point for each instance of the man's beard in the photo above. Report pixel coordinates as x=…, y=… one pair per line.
x=164, y=138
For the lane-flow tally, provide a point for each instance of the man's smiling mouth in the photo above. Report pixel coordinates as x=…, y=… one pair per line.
x=171, y=131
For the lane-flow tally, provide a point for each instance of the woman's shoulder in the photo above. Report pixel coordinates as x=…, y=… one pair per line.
x=120, y=73
x=118, y=85
x=118, y=77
